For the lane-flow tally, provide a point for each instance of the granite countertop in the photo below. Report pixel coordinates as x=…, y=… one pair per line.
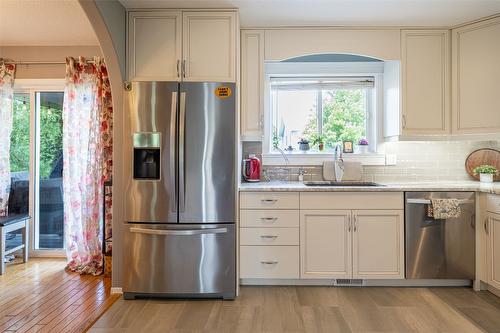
x=420, y=186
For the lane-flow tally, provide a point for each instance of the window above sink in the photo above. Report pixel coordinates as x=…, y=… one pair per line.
x=329, y=102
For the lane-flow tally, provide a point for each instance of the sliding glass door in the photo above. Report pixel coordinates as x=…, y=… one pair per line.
x=49, y=221
x=37, y=166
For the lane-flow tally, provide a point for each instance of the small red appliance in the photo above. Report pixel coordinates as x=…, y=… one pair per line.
x=251, y=169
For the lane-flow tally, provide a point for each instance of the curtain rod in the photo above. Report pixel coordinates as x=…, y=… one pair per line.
x=41, y=62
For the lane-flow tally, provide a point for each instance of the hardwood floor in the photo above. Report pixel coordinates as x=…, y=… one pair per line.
x=40, y=296
x=312, y=309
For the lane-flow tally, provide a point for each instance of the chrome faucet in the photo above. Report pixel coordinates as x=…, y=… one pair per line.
x=287, y=163
x=338, y=163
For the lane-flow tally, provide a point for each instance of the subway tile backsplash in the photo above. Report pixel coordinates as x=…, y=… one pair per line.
x=424, y=161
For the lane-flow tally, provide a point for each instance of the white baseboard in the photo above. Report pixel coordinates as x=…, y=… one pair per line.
x=116, y=290
x=367, y=283
x=286, y=282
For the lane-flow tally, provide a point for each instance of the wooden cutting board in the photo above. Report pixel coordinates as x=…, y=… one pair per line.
x=481, y=157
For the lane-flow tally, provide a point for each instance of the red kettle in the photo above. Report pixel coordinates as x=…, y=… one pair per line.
x=251, y=169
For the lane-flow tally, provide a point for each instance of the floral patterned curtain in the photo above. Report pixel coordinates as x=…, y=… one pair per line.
x=87, y=151
x=7, y=72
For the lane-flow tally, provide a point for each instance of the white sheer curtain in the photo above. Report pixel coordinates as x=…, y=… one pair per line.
x=7, y=72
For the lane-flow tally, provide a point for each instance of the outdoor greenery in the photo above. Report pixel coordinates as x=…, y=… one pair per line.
x=50, y=136
x=343, y=117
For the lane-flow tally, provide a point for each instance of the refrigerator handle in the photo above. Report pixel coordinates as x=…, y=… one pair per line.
x=179, y=232
x=173, y=180
x=182, y=155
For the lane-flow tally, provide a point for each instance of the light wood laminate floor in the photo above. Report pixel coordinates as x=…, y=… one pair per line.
x=39, y=296
x=312, y=309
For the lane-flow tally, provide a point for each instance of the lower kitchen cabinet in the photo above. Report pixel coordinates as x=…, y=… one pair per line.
x=325, y=240
x=359, y=244
x=294, y=235
x=269, y=262
x=493, y=255
x=378, y=244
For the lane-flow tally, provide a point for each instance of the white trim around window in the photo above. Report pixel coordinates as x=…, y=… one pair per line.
x=318, y=70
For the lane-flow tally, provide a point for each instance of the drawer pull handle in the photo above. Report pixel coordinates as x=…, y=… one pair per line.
x=269, y=236
x=271, y=262
x=269, y=219
x=269, y=201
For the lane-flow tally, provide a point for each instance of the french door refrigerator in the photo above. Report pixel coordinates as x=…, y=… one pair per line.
x=179, y=237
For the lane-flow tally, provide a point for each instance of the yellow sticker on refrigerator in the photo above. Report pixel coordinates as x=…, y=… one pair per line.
x=223, y=92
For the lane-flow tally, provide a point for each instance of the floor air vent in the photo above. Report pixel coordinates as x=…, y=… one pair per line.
x=348, y=282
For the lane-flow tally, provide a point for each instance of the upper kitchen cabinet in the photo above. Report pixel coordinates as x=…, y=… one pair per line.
x=209, y=46
x=425, y=82
x=189, y=46
x=252, y=80
x=476, y=77
x=154, y=45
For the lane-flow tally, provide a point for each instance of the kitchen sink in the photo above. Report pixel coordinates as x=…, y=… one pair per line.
x=334, y=183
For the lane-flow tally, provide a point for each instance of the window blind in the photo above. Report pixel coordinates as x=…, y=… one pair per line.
x=305, y=83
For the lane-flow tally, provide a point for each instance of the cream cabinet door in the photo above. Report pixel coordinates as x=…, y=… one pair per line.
x=325, y=244
x=378, y=244
x=154, y=45
x=209, y=46
x=426, y=82
x=493, y=255
x=252, y=80
x=476, y=77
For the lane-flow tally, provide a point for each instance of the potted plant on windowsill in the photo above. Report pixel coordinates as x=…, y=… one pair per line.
x=362, y=146
x=486, y=173
x=320, y=141
x=303, y=144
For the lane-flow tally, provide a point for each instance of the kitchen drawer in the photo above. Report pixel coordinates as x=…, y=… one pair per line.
x=269, y=236
x=352, y=200
x=269, y=218
x=269, y=200
x=493, y=203
x=274, y=262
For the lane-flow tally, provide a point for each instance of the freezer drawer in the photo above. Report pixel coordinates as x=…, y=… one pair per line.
x=440, y=249
x=179, y=260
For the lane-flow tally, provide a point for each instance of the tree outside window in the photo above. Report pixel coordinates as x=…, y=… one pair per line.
x=311, y=111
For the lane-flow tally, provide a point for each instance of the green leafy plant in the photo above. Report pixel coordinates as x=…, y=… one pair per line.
x=485, y=169
x=316, y=139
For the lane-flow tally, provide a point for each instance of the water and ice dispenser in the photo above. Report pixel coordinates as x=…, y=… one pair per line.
x=147, y=156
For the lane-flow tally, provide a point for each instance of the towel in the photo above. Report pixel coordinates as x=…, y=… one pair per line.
x=353, y=171
x=441, y=209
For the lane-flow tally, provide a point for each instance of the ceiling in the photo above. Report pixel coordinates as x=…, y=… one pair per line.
x=44, y=23
x=266, y=13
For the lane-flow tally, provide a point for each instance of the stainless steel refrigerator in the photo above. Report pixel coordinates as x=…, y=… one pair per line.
x=179, y=238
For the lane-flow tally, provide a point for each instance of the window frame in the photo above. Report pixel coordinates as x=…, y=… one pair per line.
x=325, y=70
x=32, y=87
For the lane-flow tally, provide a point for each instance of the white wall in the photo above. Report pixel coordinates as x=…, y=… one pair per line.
x=115, y=18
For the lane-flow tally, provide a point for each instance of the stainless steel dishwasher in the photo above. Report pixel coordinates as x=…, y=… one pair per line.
x=439, y=249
